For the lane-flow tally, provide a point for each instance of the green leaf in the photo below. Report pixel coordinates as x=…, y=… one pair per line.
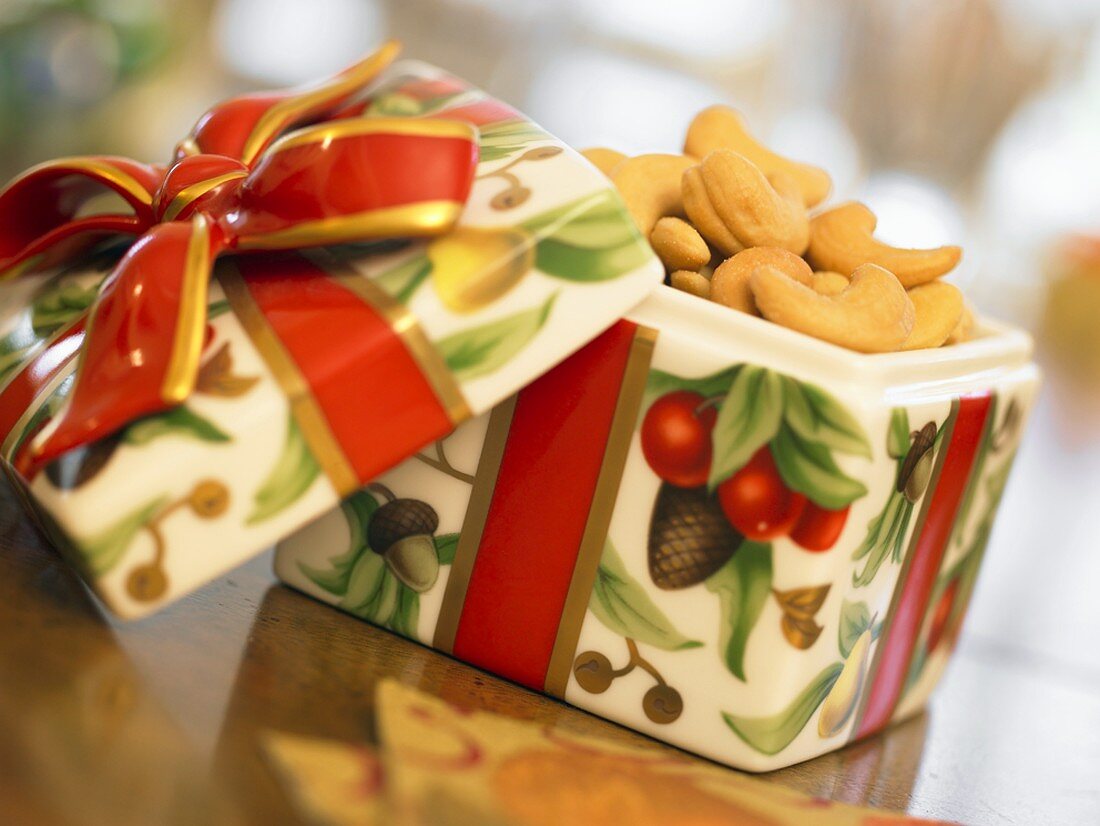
x=406, y=617
x=445, y=546
x=595, y=222
x=178, y=421
x=897, y=438
x=482, y=350
x=620, y=603
x=742, y=586
x=103, y=551
x=357, y=510
x=885, y=534
x=716, y=384
x=380, y=610
x=809, y=469
x=573, y=263
x=293, y=473
x=216, y=309
x=749, y=418
x=402, y=281
x=817, y=417
x=855, y=618
x=60, y=304
x=770, y=735
x=364, y=584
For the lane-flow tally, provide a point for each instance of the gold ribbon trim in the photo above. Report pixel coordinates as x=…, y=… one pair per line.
x=303, y=406
x=594, y=538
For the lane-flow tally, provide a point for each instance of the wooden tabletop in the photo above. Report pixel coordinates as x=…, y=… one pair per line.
x=158, y=721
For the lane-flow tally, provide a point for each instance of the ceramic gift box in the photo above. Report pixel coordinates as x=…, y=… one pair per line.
x=315, y=368
x=709, y=528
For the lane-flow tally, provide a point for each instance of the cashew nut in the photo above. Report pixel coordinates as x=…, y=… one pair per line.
x=719, y=127
x=939, y=308
x=964, y=330
x=650, y=187
x=841, y=239
x=873, y=315
x=829, y=283
x=691, y=282
x=678, y=245
x=730, y=283
x=733, y=205
x=604, y=159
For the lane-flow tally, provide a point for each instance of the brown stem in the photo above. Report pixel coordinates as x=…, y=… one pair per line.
x=713, y=401
x=442, y=464
x=636, y=659
x=378, y=487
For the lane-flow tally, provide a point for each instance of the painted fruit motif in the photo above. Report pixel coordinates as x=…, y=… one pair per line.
x=689, y=537
x=756, y=501
x=817, y=528
x=841, y=701
x=676, y=438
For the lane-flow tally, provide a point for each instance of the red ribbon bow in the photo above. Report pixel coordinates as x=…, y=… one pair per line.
x=239, y=181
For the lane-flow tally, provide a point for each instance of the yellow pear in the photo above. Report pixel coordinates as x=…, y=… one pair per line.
x=844, y=695
x=474, y=267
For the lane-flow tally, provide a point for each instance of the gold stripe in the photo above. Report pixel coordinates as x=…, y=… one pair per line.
x=188, y=146
x=303, y=406
x=473, y=525
x=192, y=193
x=281, y=114
x=183, y=366
x=38, y=347
x=97, y=168
x=907, y=563
x=26, y=265
x=604, y=498
x=66, y=369
x=354, y=127
x=405, y=324
x=419, y=219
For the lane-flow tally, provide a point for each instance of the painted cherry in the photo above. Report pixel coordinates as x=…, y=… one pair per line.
x=941, y=614
x=817, y=528
x=676, y=438
x=757, y=503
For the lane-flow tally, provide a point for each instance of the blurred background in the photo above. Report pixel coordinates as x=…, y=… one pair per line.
x=974, y=122
x=969, y=121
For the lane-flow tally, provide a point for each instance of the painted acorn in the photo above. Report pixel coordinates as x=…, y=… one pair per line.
x=689, y=537
x=403, y=531
x=916, y=470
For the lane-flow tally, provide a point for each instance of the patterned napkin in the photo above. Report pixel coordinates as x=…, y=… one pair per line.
x=438, y=764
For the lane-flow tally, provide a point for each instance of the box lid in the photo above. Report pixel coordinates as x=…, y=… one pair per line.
x=324, y=369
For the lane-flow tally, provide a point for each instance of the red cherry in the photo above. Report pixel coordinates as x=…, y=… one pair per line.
x=818, y=529
x=756, y=501
x=676, y=438
x=941, y=614
x=207, y=336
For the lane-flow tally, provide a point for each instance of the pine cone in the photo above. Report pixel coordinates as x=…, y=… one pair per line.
x=689, y=537
x=400, y=518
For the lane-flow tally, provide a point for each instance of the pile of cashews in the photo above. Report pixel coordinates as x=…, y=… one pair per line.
x=735, y=223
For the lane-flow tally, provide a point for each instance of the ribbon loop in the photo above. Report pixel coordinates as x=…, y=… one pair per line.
x=244, y=127
x=234, y=184
x=127, y=366
x=39, y=210
x=359, y=187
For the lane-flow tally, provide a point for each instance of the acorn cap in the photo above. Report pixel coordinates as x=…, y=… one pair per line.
x=400, y=518
x=689, y=537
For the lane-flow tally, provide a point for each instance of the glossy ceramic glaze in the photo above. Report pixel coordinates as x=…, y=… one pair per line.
x=304, y=375
x=563, y=558
x=283, y=171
